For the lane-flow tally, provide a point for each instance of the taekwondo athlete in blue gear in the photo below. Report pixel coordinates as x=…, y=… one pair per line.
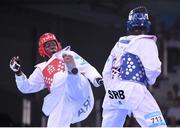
x=131, y=67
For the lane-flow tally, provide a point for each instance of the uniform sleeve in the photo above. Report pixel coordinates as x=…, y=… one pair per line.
x=86, y=69
x=107, y=67
x=147, y=51
x=107, y=70
x=32, y=84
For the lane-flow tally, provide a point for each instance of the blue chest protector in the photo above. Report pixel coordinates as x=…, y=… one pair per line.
x=132, y=69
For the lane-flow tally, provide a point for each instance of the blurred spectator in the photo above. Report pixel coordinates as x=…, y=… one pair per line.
x=175, y=90
x=173, y=113
x=169, y=99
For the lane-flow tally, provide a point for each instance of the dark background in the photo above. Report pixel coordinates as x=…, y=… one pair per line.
x=91, y=27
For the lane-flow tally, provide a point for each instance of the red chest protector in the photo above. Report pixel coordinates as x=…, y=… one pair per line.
x=55, y=66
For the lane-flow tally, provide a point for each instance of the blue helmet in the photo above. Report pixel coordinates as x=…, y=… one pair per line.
x=138, y=18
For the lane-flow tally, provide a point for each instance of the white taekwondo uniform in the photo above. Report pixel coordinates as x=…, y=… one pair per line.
x=132, y=65
x=70, y=97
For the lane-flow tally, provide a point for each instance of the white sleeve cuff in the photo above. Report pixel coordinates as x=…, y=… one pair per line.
x=21, y=77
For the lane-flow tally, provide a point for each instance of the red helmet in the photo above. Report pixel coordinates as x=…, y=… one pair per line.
x=45, y=38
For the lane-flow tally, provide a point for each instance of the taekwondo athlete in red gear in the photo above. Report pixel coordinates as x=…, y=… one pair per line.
x=66, y=75
x=131, y=67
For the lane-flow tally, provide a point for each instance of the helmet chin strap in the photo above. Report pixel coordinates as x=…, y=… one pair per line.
x=49, y=56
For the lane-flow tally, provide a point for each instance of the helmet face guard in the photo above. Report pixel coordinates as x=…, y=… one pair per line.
x=138, y=18
x=45, y=38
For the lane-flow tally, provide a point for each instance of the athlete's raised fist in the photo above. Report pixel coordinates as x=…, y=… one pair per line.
x=15, y=64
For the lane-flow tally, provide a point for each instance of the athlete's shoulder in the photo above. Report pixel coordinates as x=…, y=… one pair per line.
x=148, y=37
x=40, y=65
x=126, y=39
